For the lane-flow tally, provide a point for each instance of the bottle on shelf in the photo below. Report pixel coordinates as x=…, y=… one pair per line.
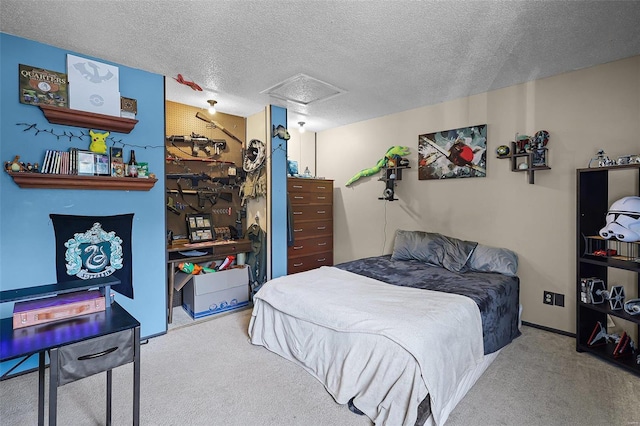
x=132, y=165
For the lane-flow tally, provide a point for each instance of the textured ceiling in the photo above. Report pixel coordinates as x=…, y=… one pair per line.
x=382, y=56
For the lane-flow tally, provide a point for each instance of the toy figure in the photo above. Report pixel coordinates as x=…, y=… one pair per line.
x=15, y=165
x=98, y=142
x=395, y=152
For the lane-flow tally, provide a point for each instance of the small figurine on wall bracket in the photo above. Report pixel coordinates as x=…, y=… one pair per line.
x=280, y=132
x=98, y=142
x=395, y=153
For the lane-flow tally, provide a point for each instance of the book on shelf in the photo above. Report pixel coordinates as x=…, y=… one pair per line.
x=45, y=162
x=60, y=162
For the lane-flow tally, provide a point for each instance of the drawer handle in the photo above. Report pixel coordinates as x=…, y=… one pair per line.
x=321, y=228
x=298, y=198
x=322, y=260
x=297, y=230
x=321, y=211
x=297, y=186
x=98, y=355
x=322, y=244
x=297, y=212
x=298, y=247
x=321, y=198
x=321, y=187
x=297, y=264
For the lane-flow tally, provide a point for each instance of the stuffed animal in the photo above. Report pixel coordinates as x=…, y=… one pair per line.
x=98, y=142
x=394, y=153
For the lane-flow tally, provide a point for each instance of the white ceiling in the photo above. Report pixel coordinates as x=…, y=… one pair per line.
x=383, y=56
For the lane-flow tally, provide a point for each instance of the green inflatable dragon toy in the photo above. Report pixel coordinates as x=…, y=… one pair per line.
x=396, y=151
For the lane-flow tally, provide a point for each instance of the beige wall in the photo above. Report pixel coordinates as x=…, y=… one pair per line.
x=583, y=110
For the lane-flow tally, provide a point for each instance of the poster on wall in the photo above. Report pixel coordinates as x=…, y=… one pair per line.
x=90, y=247
x=93, y=86
x=456, y=153
x=42, y=87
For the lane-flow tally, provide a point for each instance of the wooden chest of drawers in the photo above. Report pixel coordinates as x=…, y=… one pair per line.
x=312, y=212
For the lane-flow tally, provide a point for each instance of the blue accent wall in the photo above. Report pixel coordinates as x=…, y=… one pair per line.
x=27, y=251
x=278, y=194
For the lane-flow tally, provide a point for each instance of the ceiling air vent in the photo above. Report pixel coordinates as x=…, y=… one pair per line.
x=303, y=90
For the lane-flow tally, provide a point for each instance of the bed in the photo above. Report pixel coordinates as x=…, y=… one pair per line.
x=400, y=338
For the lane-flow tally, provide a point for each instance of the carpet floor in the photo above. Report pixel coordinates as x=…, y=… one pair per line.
x=207, y=373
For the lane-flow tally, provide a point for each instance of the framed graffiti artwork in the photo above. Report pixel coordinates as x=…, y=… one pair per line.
x=456, y=153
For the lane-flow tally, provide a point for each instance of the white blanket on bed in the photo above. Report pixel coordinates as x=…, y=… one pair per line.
x=442, y=331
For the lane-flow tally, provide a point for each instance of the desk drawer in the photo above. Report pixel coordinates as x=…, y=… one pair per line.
x=90, y=357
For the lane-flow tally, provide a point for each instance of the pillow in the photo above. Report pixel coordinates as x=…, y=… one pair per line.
x=418, y=245
x=433, y=249
x=492, y=259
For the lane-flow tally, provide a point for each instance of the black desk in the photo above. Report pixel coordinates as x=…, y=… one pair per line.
x=111, y=337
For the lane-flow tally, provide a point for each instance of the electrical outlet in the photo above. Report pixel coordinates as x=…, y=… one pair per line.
x=558, y=299
x=548, y=298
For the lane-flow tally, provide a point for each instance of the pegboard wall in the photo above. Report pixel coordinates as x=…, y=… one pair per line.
x=219, y=195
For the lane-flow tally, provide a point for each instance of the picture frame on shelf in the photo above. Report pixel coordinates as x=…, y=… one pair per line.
x=86, y=163
x=103, y=167
x=199, y=227
x=117, y=161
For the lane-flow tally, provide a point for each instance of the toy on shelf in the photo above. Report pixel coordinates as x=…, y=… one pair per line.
x=623, y=220
x=602, y=160
x=594, y=290
x=624, y=346
x=15, y=166
x=98, y=142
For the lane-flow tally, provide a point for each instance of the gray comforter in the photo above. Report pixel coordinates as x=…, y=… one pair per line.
x=496, y=295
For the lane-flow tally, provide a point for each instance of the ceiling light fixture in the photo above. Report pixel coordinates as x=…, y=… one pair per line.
x=301, y=124
x=212, y=106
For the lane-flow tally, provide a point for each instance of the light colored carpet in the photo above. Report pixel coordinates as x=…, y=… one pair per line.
x=207, y=373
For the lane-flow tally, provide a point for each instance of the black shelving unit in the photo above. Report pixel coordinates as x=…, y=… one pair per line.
x=592, y=206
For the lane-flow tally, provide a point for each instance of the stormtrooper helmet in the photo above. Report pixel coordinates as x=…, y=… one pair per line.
x=623, y=220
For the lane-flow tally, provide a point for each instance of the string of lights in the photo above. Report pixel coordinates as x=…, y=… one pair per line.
x=81, y=135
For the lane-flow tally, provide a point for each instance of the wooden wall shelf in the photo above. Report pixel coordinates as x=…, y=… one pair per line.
x=52, y=181
x=528, y=159
x=89, y=120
